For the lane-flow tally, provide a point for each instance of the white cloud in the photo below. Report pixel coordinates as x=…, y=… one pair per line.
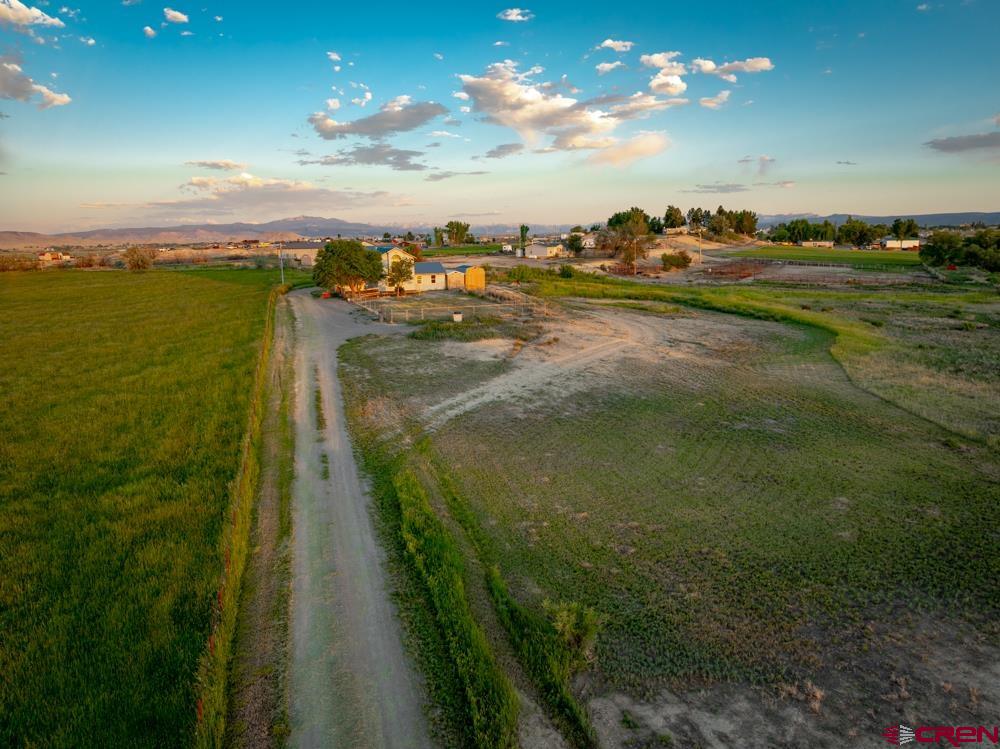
x=642, y=146
x=728, y=70
x=606, y=67
x=663, y=60
x=438, y=56
x=444, y=134
x=333, y=104
x=363, y=99
x=14, y=84
x=924, y=7
x=377, y=154
x=501, y=44
x=763, y=162
x=460, y=95
x=714, y=102
x=17, y=14
x=222, y=165
x=218, y=19
x=516, y=15
x=88, y=40
x=187, y=33
x=617, y=46
x=149, y=31
x=333, y=56
x=640, y=105
x=662, y=83
x=465, y=110
x=174, y=16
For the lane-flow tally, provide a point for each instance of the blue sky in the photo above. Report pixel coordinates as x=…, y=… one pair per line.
x=146, y=114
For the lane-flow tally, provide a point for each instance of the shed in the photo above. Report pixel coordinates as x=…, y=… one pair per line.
x=475, y=277
x=456, y=279
x=429, y=276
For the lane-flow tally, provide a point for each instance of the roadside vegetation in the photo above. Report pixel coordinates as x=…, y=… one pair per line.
x=127, y=482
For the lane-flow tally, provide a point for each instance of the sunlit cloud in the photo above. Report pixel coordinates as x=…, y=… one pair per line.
x=515, y=15
x=219, y=165
x=715, y=102
x=16, y=14
x=642, y=146
x=174, y=16
x=394, y=118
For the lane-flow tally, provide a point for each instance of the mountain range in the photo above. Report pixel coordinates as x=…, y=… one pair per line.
x=304, y=227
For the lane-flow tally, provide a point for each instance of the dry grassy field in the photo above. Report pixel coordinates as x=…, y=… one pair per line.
x=783, y=518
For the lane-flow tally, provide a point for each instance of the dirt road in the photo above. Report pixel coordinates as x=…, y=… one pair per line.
x=351, y=683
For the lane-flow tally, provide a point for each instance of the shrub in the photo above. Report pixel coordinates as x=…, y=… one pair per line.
x=679, y=261
x=566, y=271
x=138, y=258
x=18, y=262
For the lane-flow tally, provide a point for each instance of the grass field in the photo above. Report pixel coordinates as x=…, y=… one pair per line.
x=125, y=403
x=857, y=258
x=737, y=507
x=465, y=249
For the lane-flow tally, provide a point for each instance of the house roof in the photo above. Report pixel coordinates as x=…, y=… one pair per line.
x=425, y=268
x=463, y=268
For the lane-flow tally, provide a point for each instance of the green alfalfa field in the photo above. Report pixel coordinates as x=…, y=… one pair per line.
x=125, y=407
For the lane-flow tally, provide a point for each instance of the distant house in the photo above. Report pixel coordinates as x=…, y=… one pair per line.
x=816, y=243
x=54, y=256
x=675, y=230
x=540, y=251
x=429, y=276
x=589, y=240
x=507, y=248
x=900, y=244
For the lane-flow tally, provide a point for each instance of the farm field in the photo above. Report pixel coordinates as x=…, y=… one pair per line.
x=780, y=536
x=125, y=403
x=859, y=258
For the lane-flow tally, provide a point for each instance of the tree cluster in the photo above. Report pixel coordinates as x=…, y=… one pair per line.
x=346, y=264
x=981, y=249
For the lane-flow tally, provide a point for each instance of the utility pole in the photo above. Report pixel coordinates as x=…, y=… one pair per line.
x=281, y=261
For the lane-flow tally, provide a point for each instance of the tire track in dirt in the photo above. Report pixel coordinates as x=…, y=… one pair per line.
x=351, y=683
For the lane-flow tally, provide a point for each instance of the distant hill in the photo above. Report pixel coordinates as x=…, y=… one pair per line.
x=286, y=229
x=927, y=219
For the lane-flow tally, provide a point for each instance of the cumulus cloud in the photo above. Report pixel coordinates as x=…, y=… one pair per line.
x=666, y=83
x=640, y=105
x=394, y=117
x=617, y=46
x=333, y=56
x=440, y=176
x=727, y=71
x=606, y=67
x=15, y=84
x=664, y=61
x=149, y=31
x=377, y=154
x=714, y=102
x=224, y=165
x=504, y=150
x=641, y=146
x=444, y=134
x=174, y=16
x=962, y=143
x=516, y=15
x=438, y=56
x=923, y=7
x=363, y=99
x=460, y=95
x=16, y=14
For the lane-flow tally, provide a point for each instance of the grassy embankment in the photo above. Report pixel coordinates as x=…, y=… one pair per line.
x=130, y=416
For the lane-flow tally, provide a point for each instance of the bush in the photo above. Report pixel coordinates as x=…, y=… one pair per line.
x=138, y=258
x=566, y=271
x=18, y=262
x=679, y=261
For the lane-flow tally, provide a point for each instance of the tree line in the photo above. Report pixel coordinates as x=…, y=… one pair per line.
x=721, y=223
x=981, y=249
x=853, y=232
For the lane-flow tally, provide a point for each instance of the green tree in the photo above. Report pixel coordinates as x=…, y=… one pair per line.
x=457, y=232
x=138, y=258
x=656, y=225
x=409, y=236
x=400, y=271
x=696, y=218
x=574, y=243
x=346, y=264
x=673, y=218
x=623, y=217
x=576, y=230
x=438, y=236
x=386, y=235
x=942, y=248
x=524, y=235
x=904, y=228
